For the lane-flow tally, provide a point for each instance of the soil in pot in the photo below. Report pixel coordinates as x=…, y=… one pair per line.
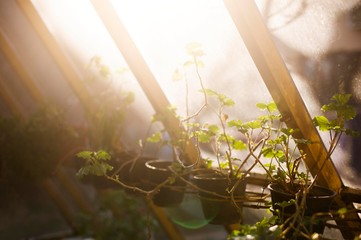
x=216, y=209
x=318, y=200
x=170, y=195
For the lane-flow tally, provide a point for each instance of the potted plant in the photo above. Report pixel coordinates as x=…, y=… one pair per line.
x=32, y=149
x=166, y=177
x=111, y=103
x=264, y=229
x=222, y=183
x=109, y=221
x=295, y=197
x=220, y=180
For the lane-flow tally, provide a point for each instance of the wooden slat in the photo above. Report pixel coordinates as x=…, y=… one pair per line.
x=48, y=184
x=351, y=194
x=9, y=100
x=60, y=202
x=281, y=86
x=74, y=192
x=141, y=71
x=172, y=231
x=150, y=87
x=278, y=80
x=20, y=70
x=59, y=57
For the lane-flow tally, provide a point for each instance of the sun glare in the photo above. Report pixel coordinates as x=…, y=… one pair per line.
x=161, y=29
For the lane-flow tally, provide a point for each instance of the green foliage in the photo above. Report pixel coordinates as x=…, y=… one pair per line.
x=155, y=138
x=343, y=112
x=270, y=107
x=110, y=102
x=117, y=216
x=194, y=49
x=32, y=149
x=96, y=163
x=222, y=99
x=264, y=229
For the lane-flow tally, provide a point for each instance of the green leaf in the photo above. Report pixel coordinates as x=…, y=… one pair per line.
x=272, y=107
x=213, y=129
x=254, y=124
x=104, y=71
x=347, y=113
x=239, y=145
x=223, y=165
x=287, y=131
x=342, y=99
x=194, y=49
x=322, y=123
x=200, y=63
x=176, y=76
x=101, y=169
x=188, y=63
x=235, y=123
x=221, y=97
x=279, y=154
x=268, y=152
x=342, y=211
x=271, y=167
x=339, y=105
x=203, y=136
x=261, y=106
x=103, y=155
x=352, y=133
x=155, y=138
x=286, y=203
x=228, y=102
x=84, y=154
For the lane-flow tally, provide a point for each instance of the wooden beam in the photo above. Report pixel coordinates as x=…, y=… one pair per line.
x=75, y=82
x=19, y=69
x=60, y=202
x=48, y=184
x=279, y=82
x=59, y=57
x=9, y=100
x=150, y=87
x=172, y=231
x=142, y=72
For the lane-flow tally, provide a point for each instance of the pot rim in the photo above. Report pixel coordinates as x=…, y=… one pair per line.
x=214, y=176
x=164, y=167
x=331, y=194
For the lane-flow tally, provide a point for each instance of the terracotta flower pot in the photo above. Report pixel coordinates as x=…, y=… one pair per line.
x=318, y=200
x=219, y=210
x=171, y=194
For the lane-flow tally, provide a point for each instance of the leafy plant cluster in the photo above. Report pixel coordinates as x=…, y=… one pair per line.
x=32, y=149
x=117, y=216
x=265, y=142
x=96, y=163
x=264, y=229
x=216, y=136
x=110, y=102
x=279, y=144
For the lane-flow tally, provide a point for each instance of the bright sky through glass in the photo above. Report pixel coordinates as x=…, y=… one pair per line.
x=305, y=30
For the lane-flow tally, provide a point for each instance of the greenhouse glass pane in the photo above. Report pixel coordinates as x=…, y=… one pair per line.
x=90, y=49
x=320, y=41
x=162, y=30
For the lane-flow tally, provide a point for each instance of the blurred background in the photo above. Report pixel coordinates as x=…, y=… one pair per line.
x=66, y=87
